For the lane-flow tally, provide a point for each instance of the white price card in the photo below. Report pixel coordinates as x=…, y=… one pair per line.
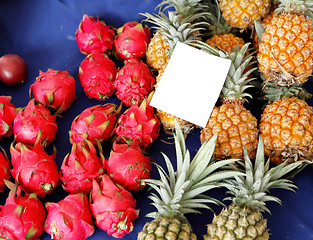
x=191, y=84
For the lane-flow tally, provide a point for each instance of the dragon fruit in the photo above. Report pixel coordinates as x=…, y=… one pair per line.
x=97, y=75
x=127, y=165
x=8, y=112
x=22, y=217
x=54, y=89
x=95, y=124
x=31, y=120
x=69, y=218
x=139, y=123
x=94, y=35
x=134, y=81
x=34, y=169
x=81, y=166
x=132, y=41
x=113, y=207
x=4, y=170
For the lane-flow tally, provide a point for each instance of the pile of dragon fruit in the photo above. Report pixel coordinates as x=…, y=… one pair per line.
x=99, y=189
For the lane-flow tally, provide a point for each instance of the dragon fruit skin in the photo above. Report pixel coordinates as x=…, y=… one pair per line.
x=31, y=120
x=8, y=112
x=113, y=207
x=55, y=89
x=97, y=74
x=69, y=218
x=127, y=165
x=132, y=41
x=81, y=166
x=134, y=81
x=34, y=169
x=94, y=35
x=4, y=170
x=139, y=123
x=95, y=123
x=22, y=217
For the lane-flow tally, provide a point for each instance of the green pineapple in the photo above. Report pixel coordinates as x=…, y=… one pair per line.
x=180, y=192
x=243, y=218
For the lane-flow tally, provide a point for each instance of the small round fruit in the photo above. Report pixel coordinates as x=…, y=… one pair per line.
x=13, y=70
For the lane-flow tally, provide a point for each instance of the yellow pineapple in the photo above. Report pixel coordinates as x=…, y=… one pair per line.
x=179, y=192
x=242, y=13
x=235, y=125
x=156, y=55
x=243, y=218
x=169, y=30
x=181, y=25
x=286, y=49
x=226, y=41
x=286, y=125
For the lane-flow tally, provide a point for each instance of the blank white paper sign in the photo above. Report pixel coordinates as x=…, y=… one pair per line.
x=191, y=84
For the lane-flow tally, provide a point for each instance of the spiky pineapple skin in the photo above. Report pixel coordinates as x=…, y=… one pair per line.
x=236, y=127
x=235, y=222
x=156, y=55
x=241, y=14
x=288, y=40
x=166, y=228
x=286, y=126
x=226, y=42
x=168, y=123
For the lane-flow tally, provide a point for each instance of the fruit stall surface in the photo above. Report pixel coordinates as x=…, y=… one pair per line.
x=43, y=34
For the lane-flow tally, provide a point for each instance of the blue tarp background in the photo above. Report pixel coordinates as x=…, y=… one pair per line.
x=43, y=33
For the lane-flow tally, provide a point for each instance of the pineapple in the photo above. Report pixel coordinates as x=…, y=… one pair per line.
x=242, y=14
x=221, y=34
x=243, y=218
x=180, y=192
x=286, y=48
x=179, y=25
x=235, y=125
x=286, y=126
x=169, y=29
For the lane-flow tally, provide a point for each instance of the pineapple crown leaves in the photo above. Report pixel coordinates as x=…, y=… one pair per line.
x=259, y=29
x=175, y=28
x=238, y=77
x=299, y=6
x=182, y=191
x=218, y=25
x=271, y=91
x=252, y=189
x=183, y=8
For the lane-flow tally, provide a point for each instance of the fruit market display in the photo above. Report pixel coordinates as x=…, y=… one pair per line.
x=84, y=155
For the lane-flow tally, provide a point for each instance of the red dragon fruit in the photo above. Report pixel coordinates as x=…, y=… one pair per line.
x=54, y=89
x=94, y=35
x=4, y=170
x=22, y=217
x=139, y=123
x=69, y=218
x=127, y=165
x=134, y=81
x=8, y=112
x=95, y=124
x=81, y=166
x=113, y=207
x=132, y=41
x=31, y=120
x=34, y=169
x=97, y=75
